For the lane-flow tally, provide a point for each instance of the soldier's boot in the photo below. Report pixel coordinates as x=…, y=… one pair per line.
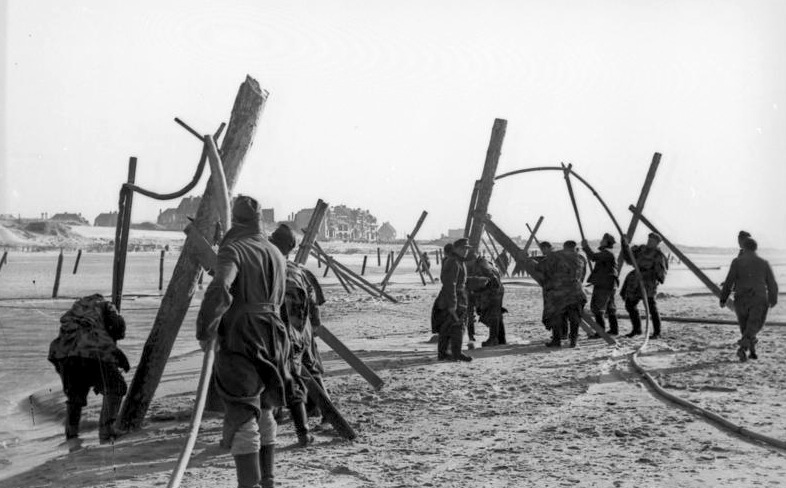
x=573, y=340
x=106, y=422
x=556, y=337
x=248, y=472
x=493, y=333
x=741, y=354
x=501, y=332
x=298, y=413
x=455, y=348
x=635, y=322
x=73, y=416
x=613, y=326
x=266, y=462
x=442, y=348
x=752, y=354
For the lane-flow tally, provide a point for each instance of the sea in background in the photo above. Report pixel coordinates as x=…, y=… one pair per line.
x=29, y=317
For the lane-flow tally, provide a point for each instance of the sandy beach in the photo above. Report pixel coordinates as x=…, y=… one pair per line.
x=518, y=415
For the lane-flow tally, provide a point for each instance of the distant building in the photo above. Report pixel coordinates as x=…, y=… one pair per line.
x=177, y=218
x=455, y=233
x=106, y=220
x=70, y=218
x=386, y=233
x=350, y=224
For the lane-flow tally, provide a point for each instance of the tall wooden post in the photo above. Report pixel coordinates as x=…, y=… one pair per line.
x=379, y=258
x=407, y=244
x=3, y=259
x=363, y=269
x=57, y=274
x=310, y=233
x=161, y=270
x=246, y=111
x=471, y=212
x=645, y=191
x=76, y=263
x=487, y=182
x=121, y=236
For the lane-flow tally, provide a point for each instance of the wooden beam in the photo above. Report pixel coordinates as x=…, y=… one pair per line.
x=121, y=236
x=362, y=282
x=428, y=271
x=410, y=237
x=417, y=263
x=715, y=289
x=246, y=111
x=471, y=212
x=589, y=324
x=645, y=191
x=367, y=373
x=487, y=181
x=310, y=234
x=533, y=232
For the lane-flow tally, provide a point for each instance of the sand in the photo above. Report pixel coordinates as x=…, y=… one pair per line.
x=518, y=415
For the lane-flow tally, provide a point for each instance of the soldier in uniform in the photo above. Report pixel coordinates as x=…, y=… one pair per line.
x=486, y=294
x=653, y=266
x=241, y=307
x=604, y=283
x=85, y=355
x=755, y=289
x=450, y=308
x=301, y=314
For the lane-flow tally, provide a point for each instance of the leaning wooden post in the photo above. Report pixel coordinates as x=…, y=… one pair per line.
x=566, y=172
x=471, y=212
x=715, y=289
x=57, y=273
x=403, y=249
x=3, y=259
x=387, y=263
x=645, y=191
x=310, y=232
x=436, y=256
x=428, y=271
x=246, y=111
x=161, y=271
x=487, y=181
x=76, y=263
x=121, y=241
x=379, y=258
x=363, y=269
x=417, y=263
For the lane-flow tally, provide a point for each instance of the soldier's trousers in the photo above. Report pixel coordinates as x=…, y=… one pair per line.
x=603, y=301
x=635, y=319
x=751, y=314
x=451, y=333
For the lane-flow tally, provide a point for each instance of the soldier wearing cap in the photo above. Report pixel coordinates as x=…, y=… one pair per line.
x=755, y=289
x=450, y=308
x=241, y=307
x=741, y=236
x=604, y=282
x=301, y=314
x=486, y=293
x=653, y=266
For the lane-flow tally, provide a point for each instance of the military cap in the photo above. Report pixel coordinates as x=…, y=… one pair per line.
x=569, y=245
x=655, y=235
x=749, y=244
x=544, y=245
x=245, y=209
x=463, y=242
x=743, y=234
x=608, y=238
x=283, y=238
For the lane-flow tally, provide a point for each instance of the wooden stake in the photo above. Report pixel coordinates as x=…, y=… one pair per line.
x=3, y=259
x=715, y=289
x=487, y=182
x=310, y=232
x=471, y=212
x=428, y=271
x=410, y=237
x=248, y=107
x=76, y=263
x=645, y=191
x=566, y=174
x=363, y=269
x=533, y=232
x=121, y=247
x=57, y=274
x=161, y=271
x=379, y=258
x=387, y=263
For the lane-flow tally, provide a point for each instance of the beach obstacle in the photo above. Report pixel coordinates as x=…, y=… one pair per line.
x=76, y=263
x=419, y=254
x=246, y=111
x=485, y=185
x=407, y=245
x=645, y=191
x=363, y=269
x=59, y=270
x=161, y=270
x=4, y=259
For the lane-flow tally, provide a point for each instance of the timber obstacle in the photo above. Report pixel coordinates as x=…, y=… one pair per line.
x=408, y=245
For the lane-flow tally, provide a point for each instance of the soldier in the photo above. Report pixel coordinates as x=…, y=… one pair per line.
x=487, y=295
x=604, y=282
x=241, y=306
x=653, y=266
x=560, y=273
x=755, y=288
x=425, y=262
x=741, y=236
x=85, y=355
x=301, y=314
x=450, y=309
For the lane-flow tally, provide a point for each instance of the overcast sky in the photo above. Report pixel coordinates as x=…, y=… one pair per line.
x=389, y=106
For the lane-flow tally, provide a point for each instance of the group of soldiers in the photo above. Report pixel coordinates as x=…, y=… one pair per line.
x=471, y=284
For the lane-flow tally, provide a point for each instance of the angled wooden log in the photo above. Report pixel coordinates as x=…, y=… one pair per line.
x=533, y=232
x=348, y=356
x=497, y=253
x=645, y=191
x=471, y=212
x=410, y=237
x=121, y=236
x=56, y=287
x=362, y=282
x=715, y=289
x=428, y=270
x=326, y=406
x=76, y=263
x=517, y=253
x=246, y=111
x=589, y=325
x=566, y=172
x=3, y=259
x=311, y=231
x=417, y=263
x=487, y=182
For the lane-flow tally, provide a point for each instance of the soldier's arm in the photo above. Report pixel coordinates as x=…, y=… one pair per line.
x=217, y=298
x=772, y=286
x=451, y=280
x=728, y=284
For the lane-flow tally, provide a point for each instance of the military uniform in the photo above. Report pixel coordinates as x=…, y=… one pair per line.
x=450, y=308
x=241, y=305
x=488, y=299
x=653, y=266
x=604, y=285
x=755, y=290
x=85, y=355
